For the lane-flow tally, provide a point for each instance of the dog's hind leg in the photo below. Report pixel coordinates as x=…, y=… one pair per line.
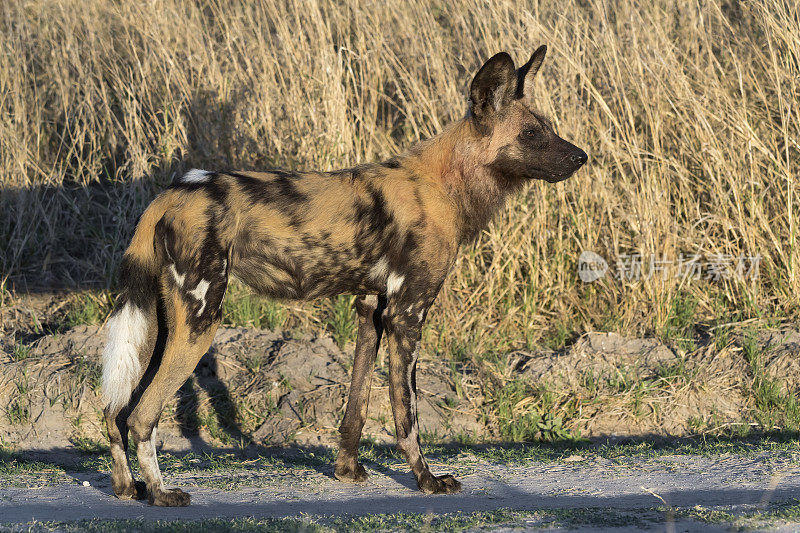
x=186, y=343
x=133, y=332
x=122, y=481
x=370, y=329
x=116, y=412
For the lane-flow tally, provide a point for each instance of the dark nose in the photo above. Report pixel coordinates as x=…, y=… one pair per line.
x=579, y=158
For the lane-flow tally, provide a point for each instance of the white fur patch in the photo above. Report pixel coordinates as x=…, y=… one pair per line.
x=199, y=292
x=127, y=332
x=413, y=436
x=196, y=175
x=379, y=271
x=155, y=457
x=394, y=282
x=148, y=461
x=179, y=278
x=410, y=310
x=225, y=290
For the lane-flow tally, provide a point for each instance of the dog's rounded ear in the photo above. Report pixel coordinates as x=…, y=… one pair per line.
x=527, y=72
x=492, y=88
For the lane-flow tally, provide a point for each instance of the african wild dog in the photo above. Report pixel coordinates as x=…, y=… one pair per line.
x=387, y=232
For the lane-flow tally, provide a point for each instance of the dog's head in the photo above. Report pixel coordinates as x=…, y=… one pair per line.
x=525, y=144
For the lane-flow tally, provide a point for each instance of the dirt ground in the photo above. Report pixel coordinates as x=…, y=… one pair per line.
x=271, y=388
x=274, y=388
x=258, y=390
x=673, y=491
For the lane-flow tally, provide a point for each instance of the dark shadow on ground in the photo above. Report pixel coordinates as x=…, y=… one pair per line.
x=206, y=376
x=331, y=499
x=376, y=456
x=93, y=497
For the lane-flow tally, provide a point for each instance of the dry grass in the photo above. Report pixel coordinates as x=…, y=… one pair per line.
x=689, y=112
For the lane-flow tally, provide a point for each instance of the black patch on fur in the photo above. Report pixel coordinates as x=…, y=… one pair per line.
x=376, y=226
x=282, y=190
x=374, y=215
x=213, y=257
x=355, y=173
x=137, y=283
x=391, y=163
x=216, y=189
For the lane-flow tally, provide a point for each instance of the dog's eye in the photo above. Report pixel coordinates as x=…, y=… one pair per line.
x=530, y=133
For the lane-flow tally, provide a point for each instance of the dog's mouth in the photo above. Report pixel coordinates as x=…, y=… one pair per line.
x=555, y=177
x=550, y=176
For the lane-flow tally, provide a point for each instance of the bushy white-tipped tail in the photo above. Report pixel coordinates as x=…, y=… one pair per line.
x=127, y=333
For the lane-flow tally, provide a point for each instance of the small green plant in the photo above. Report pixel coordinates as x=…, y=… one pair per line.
x=449, y=402
x=382, y=420
x=774, y=408
x=186, y=413
x=590, y=382
x=241, y=308
x=88, y=445
x=21, y=351
x=19, y=410
x=525, y=413
x=87, y=309
x=254, y=361
x=750, y=349
x=456, y=376
x=87, y=372
x=680, y=323
x=342, y=320
x=465, y=439
x=674, y=372
x=621, y=381
x=560, y=336
x=209, y=421
x=221, y=416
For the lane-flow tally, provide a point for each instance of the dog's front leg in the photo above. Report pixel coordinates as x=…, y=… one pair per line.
x=370, y=328
x=403, y=322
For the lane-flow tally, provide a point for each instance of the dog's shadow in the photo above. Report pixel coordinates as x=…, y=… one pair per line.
x=222, y=415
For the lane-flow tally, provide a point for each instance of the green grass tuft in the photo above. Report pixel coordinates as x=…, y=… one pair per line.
x=245, y=309
x=341, y=320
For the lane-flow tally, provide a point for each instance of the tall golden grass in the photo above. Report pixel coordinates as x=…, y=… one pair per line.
x=689, y=112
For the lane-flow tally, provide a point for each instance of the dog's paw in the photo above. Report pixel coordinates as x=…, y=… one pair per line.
x=351, y=473
x=170, y=498
x=135, y=491
x=446, y=484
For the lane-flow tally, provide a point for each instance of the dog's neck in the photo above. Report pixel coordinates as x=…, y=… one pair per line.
x=459, y=160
